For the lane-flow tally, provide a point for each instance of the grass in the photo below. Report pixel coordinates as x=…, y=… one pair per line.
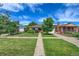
x=73, y=34
x=59, y=47
x=17, y=47
x=25, y=34
x=47, y=35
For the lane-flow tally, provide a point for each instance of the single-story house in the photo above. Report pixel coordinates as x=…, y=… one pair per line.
x=66, y=28
x=35, y=27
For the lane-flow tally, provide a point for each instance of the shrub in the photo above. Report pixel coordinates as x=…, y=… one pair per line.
x=31, y=31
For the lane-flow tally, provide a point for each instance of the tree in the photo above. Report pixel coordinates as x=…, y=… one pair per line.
x=28, y=27
x=8, y=26
x=12, y=27
x=4, y=19
x=32, y=23
x=47, y=25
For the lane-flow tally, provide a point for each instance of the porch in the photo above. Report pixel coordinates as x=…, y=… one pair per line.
x=66, y=28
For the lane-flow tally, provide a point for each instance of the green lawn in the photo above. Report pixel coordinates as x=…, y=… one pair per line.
x=73, y=34
x=47, y=35
x=59, y=47
x=17, y=47
x=25, y=34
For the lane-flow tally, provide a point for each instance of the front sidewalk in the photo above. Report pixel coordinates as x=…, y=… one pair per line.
x=39, y=50
x=18, y=37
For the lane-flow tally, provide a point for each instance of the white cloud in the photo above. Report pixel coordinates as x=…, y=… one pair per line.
x=71, y=4
x=44, y=18
x=34, y=7
x=69, y=14
x=25, y=22
x=69, y=20
x=15, y=7
x=41, y=19
x=23, y=17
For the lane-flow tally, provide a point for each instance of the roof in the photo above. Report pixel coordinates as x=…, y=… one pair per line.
x=68, y=25
x=35, y=26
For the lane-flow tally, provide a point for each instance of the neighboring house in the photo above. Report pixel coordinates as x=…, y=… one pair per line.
x=35, y=27
x=21, y=29
x=66, y=28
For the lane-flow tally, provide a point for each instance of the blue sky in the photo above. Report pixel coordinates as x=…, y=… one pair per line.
x=25, y=13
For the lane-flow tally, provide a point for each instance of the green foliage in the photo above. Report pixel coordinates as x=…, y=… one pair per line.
x=47, y=25
x=31, y=31
x=12, y=27
x=47, y=35
x=4, y=19
x=26, y=28
x=32, y=23
x=6, y=26
x=73, y=34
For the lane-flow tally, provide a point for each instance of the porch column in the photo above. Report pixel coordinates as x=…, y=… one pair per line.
x=60, y=30
x=70, y=29
x=76, y=29
x=66, y=29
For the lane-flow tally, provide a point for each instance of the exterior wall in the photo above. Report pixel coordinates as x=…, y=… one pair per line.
x=61, y=29
x=37, y=29
x=78, y=29
x=58, y=29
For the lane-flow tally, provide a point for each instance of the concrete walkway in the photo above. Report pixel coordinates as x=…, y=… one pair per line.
x=39, y=50
x=18, y=37
x=72, y=40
